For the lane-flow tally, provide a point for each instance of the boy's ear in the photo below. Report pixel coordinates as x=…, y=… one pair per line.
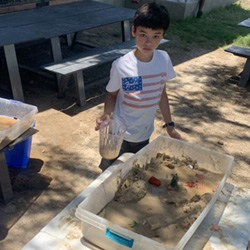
x=133, y=30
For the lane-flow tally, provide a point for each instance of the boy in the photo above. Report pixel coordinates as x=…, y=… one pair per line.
x=137, y=82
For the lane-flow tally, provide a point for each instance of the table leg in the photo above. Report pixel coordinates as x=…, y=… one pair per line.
x=80, y=89
x=126, y=31
x=245, y=76
x=76, y=36
x=57, y=53
x=63, y=86
x=5, y=179
x=69, y=38
x=15, y=79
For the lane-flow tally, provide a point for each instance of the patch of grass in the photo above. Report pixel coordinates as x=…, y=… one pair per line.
x=215, y=29
x=243, y=41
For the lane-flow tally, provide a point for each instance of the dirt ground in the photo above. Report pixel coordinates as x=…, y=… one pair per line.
x=208, y=107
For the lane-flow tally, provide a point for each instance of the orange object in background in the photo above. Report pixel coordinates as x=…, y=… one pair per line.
x=190, y=184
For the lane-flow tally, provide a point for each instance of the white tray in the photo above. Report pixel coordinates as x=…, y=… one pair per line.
x=110, y=236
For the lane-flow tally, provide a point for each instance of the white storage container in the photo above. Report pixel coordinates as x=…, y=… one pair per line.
x=25, y=113
x=112, y=237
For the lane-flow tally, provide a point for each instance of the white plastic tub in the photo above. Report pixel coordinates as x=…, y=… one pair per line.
x=112, y=237
x=25, y=113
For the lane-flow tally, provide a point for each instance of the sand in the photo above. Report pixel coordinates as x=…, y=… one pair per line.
x=6, y=122
x=162, y=212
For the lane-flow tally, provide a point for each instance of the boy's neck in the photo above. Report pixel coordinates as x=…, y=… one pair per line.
x=141, y=57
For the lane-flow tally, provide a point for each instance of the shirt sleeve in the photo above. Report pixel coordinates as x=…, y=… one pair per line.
x=114, y=79
x=169, y=66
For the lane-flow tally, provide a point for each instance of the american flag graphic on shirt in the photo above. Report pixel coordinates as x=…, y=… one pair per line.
x=143, y=91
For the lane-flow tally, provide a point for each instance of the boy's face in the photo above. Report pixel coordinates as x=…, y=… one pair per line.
x=147, y=40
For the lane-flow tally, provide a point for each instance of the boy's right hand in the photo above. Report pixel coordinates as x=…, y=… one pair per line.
x=173, y=133
x=101, y=119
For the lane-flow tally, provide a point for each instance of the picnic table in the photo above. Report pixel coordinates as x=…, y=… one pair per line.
x=245, y=77
x=226, y=226
x=242, y=52
x=245, y=23
x=51, y=22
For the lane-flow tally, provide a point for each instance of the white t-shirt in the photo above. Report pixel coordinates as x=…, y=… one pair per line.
x=140, y=86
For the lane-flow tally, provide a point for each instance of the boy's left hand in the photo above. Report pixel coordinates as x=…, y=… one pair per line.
x=101, y=119
x=173, y=133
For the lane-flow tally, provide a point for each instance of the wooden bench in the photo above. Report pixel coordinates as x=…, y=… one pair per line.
x=75, y=65
x=242, y=52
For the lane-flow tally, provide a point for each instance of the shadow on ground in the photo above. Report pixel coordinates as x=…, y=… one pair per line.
x=27, y=184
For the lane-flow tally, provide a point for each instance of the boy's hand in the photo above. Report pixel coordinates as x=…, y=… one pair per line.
x=101, y=119
x=173, y=133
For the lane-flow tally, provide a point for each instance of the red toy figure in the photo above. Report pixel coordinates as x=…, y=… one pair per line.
x=154, y=181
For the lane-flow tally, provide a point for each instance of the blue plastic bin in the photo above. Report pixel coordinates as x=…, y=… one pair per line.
x=19, y=155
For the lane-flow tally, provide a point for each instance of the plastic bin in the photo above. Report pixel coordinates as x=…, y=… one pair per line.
x=19, y=155
x=25, y=113
x=110, y=236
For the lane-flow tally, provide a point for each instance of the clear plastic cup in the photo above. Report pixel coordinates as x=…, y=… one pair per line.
x=111, y=135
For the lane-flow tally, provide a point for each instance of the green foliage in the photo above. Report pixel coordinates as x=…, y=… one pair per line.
x=133, y=224
x=243, y=40
x=215, y=29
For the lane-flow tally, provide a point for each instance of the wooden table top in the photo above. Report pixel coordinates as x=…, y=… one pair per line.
x=52, y=21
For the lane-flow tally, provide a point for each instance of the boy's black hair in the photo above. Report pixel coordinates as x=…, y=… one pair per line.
x=152, y=15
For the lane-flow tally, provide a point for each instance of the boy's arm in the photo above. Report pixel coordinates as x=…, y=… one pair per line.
x=165, y=110
x=109, y=105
